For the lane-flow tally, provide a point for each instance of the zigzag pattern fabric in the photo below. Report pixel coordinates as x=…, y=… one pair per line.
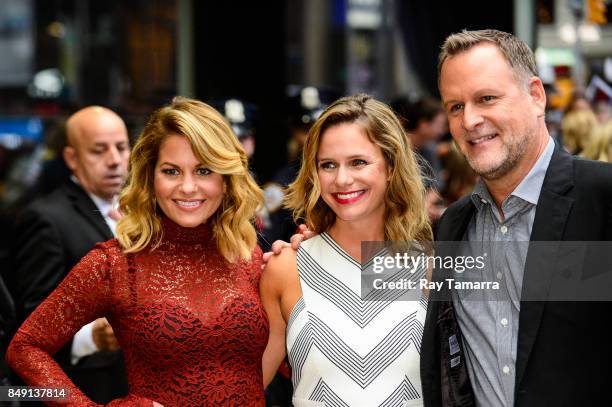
x=349, y=351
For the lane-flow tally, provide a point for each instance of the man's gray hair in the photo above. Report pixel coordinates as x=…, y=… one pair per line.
x=516, y=52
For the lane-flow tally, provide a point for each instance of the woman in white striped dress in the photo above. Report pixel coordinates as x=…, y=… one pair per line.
x=359, y=181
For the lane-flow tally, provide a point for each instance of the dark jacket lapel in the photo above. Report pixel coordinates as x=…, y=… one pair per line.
x=456, y=220
x=551, y=215
x=450, y=369
x=87, y=208
x=451, y=230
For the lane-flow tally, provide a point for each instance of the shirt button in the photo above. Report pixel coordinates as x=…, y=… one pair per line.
x=499, y=276
x=504, y=322
x=506, y=370
x=504, y=229
x=484, y=201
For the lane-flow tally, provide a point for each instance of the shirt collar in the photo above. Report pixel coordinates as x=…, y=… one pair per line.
x=480, y=196
x=103, y=205
x=528, y=189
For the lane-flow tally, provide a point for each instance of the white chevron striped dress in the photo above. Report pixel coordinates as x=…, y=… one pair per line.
x=345, y=351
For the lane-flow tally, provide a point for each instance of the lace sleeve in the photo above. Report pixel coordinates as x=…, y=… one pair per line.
x=83, y=296
x=256, y=266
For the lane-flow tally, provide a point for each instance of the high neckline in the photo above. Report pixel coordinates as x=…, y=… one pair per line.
x=176, y=233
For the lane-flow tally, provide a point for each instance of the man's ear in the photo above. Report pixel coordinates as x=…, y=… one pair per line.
x=69, y=154
x=537, y=93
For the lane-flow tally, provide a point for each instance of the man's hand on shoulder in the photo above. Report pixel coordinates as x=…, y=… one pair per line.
x=303, y=233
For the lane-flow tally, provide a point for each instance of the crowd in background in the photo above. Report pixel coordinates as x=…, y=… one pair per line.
x=586, y=128
x=30, y=169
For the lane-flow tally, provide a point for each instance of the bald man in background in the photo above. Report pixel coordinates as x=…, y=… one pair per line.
x=56, y=231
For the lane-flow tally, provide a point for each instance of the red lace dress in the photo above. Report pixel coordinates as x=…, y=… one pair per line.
x=191, y=325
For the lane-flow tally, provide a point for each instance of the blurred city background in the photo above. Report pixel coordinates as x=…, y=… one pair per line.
x=135, y=55
x=271, y=67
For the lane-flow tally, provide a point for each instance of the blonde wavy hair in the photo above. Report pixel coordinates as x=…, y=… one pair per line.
x=600, y=145
x=576, y=128
x=216, y=146
x=405, y=215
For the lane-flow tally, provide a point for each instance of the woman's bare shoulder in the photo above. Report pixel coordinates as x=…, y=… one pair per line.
x=281, y=267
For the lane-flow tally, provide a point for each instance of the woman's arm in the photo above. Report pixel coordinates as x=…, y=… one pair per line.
x=274, y=286
x=80, y=298
x=83, y=296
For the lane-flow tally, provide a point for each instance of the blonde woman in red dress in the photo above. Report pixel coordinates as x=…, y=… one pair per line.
x=179, y=285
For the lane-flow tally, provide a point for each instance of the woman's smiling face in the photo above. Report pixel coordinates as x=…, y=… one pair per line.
x=353, y=173
x=186, y=191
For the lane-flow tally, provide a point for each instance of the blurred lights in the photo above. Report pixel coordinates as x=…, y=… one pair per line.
x=11, y=141
x=587, y=32
x=554, y=57
x=46, y=84
x=310, y=97
x=567, y=33
x=596, y=11
x=234, y=111
x=14, y=133
x=364, y=14
x=590, y=33
x=56, y=29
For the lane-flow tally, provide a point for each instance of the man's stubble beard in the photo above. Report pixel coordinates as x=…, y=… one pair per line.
x=510, y=161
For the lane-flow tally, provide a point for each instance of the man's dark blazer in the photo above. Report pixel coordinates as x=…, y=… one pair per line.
x=564, y=352
x=7, y=321
x=51, y=236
